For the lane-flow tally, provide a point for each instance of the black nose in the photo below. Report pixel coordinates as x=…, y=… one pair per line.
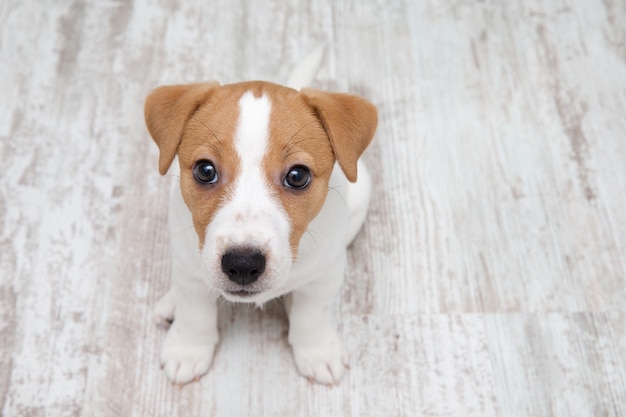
x=243, y=266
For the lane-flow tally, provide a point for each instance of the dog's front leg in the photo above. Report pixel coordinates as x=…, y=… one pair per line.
x=190, y=342
x=319, y=352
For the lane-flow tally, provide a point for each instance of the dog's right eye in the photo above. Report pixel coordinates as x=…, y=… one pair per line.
x=205, y=173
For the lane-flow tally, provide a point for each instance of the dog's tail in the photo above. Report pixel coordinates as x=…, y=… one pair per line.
x=304, y=72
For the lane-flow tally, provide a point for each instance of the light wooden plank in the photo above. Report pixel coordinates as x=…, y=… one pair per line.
x=556, y=365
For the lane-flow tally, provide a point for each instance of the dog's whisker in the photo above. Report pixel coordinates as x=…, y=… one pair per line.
x=182, y=230
x=210, y=130
x=336, y=190
x=310, y=233
x=289, y=143
x=300, y=130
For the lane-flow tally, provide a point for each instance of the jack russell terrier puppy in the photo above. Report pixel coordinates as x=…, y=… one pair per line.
x=267, y=204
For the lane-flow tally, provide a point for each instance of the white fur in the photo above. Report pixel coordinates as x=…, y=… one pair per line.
x=253, y=217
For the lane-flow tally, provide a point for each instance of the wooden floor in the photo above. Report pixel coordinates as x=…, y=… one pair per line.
x=489, y=279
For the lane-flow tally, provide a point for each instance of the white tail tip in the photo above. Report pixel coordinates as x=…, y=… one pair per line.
x=304, y=72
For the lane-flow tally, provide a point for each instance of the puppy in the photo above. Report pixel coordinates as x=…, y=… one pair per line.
x=268, y=180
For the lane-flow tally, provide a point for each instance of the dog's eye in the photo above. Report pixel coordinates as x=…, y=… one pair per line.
x=205, y=173
x=298, y=177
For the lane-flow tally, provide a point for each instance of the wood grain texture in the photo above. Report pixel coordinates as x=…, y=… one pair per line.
x=489, y=279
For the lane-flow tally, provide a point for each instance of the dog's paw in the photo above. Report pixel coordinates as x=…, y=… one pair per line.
x=163, y=313
x=185, y=363
x=185, y=356
x=324, y=364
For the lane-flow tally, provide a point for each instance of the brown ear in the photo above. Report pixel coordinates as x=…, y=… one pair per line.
x=350, y=123
x=167, y=111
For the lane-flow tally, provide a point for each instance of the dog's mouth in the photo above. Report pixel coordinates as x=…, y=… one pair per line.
x=242, y=293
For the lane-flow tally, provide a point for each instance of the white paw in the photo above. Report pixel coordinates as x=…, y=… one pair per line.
x=163, y=313
x=184, y=362
x=323, y=364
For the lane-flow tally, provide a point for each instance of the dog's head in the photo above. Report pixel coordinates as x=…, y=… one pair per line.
x=255, y=161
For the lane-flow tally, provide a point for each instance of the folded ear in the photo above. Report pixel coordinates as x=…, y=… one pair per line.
x=167, y=111
x=350, y=123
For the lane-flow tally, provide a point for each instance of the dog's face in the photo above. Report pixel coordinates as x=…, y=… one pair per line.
x=255, y=161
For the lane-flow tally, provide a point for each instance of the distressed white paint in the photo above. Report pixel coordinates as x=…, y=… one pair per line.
x=489, y=278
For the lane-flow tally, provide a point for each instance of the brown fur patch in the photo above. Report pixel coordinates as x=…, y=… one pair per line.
x=296, y=137
x=209, y=135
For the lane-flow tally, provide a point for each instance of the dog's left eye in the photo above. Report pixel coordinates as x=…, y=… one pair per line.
x=205, y=173
x=298, y=177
